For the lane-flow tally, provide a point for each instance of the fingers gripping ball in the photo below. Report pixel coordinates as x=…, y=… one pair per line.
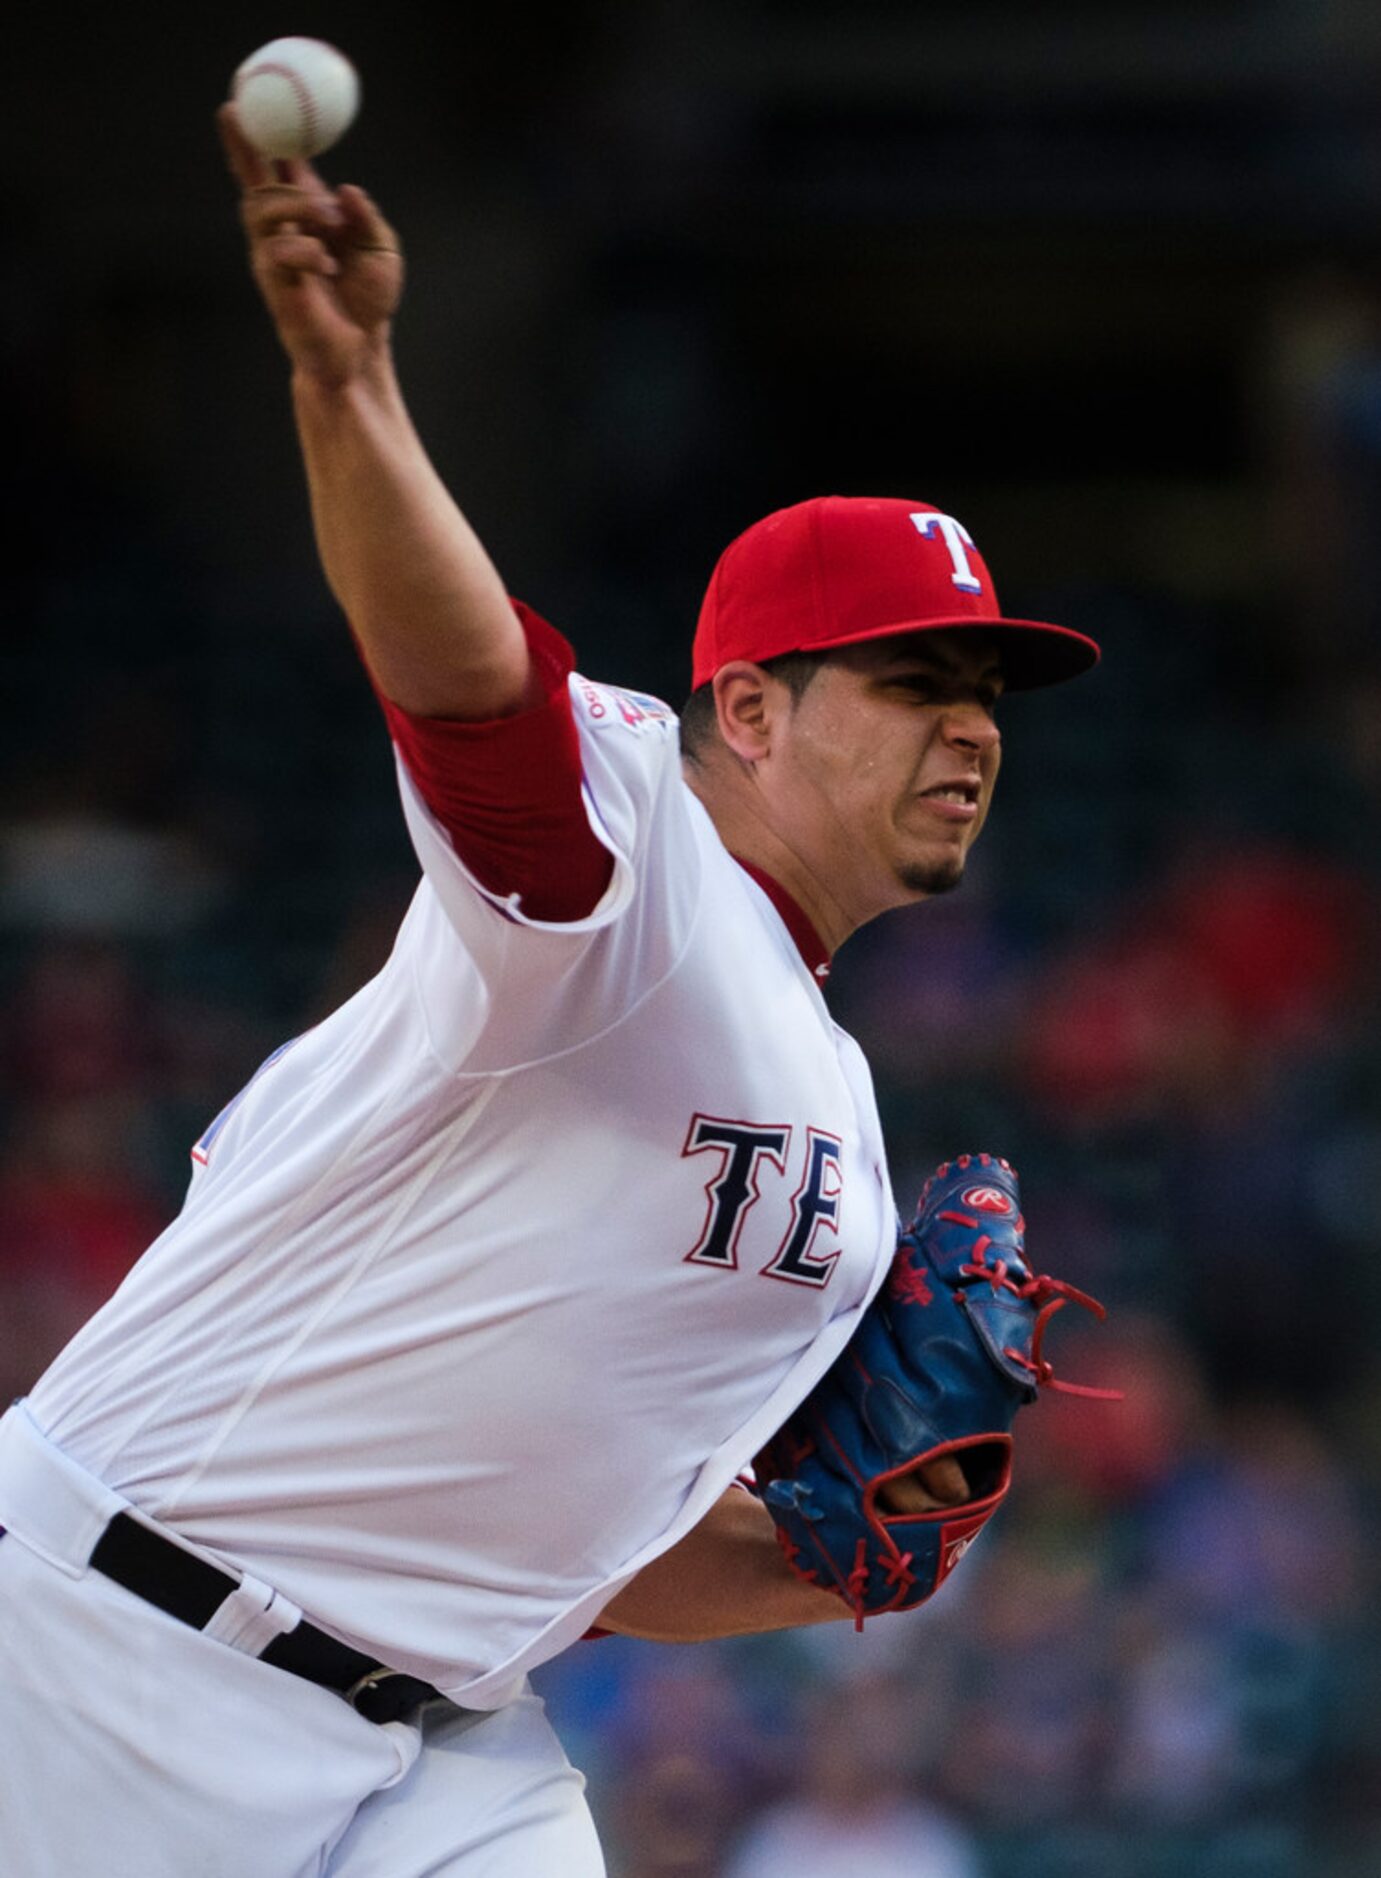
x=295, y=97
x=940, y=1363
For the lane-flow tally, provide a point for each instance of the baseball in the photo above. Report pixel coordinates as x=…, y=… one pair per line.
x=295, y=97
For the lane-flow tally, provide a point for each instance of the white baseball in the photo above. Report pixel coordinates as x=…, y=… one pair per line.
x=295, y=97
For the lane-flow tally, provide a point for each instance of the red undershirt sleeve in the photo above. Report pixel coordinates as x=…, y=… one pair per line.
x=508, y=790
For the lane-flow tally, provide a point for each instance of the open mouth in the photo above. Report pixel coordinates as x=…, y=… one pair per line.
x=957, y=801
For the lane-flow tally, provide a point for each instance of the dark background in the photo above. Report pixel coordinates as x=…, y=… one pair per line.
x=1105, y=281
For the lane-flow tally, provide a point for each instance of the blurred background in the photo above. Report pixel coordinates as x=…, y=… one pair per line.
x=1103, y=280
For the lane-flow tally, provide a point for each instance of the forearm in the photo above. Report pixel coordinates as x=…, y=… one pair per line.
x=726, y=1578
x=423, y=597
x=421, y=594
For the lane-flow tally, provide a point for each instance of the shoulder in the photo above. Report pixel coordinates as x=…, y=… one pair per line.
x=603, y=709
x=630, y=757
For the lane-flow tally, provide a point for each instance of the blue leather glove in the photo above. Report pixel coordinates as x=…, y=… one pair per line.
x=940, y=1363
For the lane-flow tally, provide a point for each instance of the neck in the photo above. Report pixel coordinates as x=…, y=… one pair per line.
x=752, y=839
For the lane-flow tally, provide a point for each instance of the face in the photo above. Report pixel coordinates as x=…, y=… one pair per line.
x=887, y=763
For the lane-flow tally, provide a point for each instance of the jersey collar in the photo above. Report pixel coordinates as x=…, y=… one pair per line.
x=808, y=942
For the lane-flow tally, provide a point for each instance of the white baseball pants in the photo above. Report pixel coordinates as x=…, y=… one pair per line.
x=136, y=1747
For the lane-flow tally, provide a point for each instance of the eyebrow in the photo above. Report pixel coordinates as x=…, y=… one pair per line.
x=945, y=666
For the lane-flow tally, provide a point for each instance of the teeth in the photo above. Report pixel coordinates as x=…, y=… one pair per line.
x=951, y=795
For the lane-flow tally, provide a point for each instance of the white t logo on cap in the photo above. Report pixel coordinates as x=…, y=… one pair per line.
x=956, y=538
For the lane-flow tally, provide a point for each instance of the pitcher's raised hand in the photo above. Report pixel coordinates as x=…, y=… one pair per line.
x=329, y=266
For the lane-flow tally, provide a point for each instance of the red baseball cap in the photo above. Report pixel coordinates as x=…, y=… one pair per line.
x=837, y=570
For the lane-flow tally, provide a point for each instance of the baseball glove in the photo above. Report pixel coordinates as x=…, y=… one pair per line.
x=940, y=1363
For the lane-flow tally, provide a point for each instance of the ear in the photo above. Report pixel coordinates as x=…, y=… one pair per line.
x=745, y=706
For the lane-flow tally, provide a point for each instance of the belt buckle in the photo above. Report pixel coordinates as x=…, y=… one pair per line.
x=370, y=1681
x=372, y=1698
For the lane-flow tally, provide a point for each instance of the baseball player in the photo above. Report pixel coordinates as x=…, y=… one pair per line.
x=487, y=1288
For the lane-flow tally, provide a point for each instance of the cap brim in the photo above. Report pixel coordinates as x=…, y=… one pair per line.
x=1033, y=652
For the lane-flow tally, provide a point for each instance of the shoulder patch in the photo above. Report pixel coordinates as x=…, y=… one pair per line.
x=604, y=705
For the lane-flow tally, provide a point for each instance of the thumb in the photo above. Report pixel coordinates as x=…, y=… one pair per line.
x=926, y=1489
x=365, y=227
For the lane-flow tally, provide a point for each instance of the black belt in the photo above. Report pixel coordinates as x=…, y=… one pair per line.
x=189, y=1588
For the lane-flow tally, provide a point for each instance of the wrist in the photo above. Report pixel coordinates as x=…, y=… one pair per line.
x=369, y=381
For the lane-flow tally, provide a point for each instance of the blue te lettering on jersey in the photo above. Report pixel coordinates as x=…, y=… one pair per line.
x=743, y=1147
x=814, y=1205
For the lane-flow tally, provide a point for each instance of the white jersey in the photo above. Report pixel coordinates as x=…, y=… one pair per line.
x=486, y=1287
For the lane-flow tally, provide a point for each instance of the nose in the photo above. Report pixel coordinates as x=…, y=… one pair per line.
x=969, y=726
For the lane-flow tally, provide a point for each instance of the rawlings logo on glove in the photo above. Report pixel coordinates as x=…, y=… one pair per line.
x=940, y=1363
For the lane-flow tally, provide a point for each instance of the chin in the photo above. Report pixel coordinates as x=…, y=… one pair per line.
x=933, y=877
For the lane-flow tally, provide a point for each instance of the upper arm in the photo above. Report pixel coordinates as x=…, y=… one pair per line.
x=555, y=976
x=508, y=792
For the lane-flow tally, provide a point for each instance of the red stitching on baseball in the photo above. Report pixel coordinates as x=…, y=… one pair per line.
x=300, y=92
